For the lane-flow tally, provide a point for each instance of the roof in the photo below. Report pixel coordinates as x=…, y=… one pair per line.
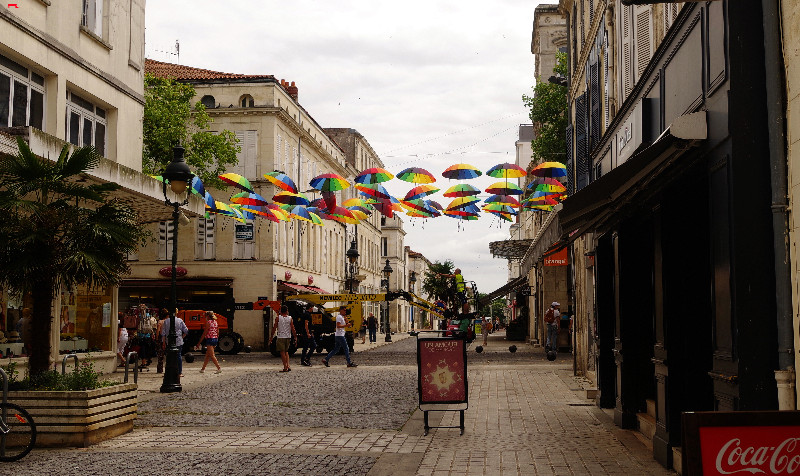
x=180, y=72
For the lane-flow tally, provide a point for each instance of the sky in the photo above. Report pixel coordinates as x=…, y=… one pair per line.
x=428, y=83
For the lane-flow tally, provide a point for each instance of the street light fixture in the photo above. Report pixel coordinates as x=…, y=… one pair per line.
x=387, y=271
x=412, y=280
x=178, y=175
x=352, y=257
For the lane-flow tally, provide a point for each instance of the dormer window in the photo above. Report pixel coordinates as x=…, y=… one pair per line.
x=246, y=101
x=208, y=101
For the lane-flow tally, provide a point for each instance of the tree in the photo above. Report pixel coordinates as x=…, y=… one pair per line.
x=58, y=230
x=169, y=118
x=548, y=112
x=440, y=287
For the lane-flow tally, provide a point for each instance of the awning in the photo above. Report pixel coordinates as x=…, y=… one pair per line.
x=163, y=283
x=509, y=249
x=315, y=289
x=509, y=287
x=598, y=206
x=293, y=287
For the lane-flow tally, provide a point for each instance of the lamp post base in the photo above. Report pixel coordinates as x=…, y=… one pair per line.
x=172, y=379
x=388, y=337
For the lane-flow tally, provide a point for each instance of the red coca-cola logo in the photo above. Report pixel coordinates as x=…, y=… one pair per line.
x=167, y=271
x=310, y=279
x=750, y=450
x=287, y=275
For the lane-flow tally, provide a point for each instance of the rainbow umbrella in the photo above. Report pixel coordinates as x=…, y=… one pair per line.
x=300, y=212
x=461, y=215
x=550, y=169
x=462, y=202
x=329, y=183
x=374, y=190
x=281, y=180
x=503, y=199
x=434, y=204
x=356, y=202
x=358, y=213
x=461, y=172
x=278, y=211
x=262, y=212
x=210, y=202
x=243, y=214
x=197, y=186
x=246, y=198
x=289, y=198
x=504, y=188
x=421, y=191
x=237, y=181
x=343, y=215
x=223, y=208
x=499, y=207
x=374, y=175
x=386, y=207
x=419, y=213
x=415, y=204
x=416, y=175
x=329, y=198
x=461, y=190
x=504, y=216
x=545, y=181
x=506, y=171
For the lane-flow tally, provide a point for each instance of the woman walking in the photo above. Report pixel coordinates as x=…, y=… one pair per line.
x=210, y=338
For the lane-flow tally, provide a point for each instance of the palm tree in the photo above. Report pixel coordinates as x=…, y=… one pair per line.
x=57, y=230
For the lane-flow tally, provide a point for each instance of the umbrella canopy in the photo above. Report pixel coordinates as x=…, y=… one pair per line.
x=417, y=204
x=461, y=172
x=301, y=213
x=246, y=198
x=506, y=171
x=237, y=181
x=278, y=211
x=343, y=215
x=374, y=175
x=329, y=199
x=503, y=199
x=434, y=204
x=374, y=190
x=289, y=198
x=461, y=190
x=462, y=202
x=386, y=207
x=358, y=213
x=356, y=202
x=421, y=191
x=262, y=212
x=499, y=207
x=197, y=186
x=550, y=169
x=329, y=183
x=504, y=188
x=546, y=181
x=416, y=175
x=281, y=180
x=503, y=215
x=462, y=215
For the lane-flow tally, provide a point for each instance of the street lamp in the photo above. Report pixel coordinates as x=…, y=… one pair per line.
x=412, y=280
x=387, y=271
x=178, y=175
x=352, y=257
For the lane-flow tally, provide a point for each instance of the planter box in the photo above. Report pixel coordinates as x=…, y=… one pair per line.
x=80, y=418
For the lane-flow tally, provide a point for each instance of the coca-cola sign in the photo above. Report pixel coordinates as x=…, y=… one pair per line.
x=742, y=443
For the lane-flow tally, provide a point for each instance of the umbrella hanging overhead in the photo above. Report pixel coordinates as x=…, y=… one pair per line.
x=386, y=207
x=197, y=186
x=237, y=181
x=262, y=212
x=461, y=190
x=343, y=215
x=290, y=198
x=434, y=204
x=499, y=207
x=506, y=171
x=462, y=202
x=550, y=169
x=545, y=181
x=281, y=180
x=329, y=198
x=503, y=199
x=356, y=202
x=301, y=213
x=246, y=198
x=461, y=215
x=416, y=175
x=504, y=188
x=421, y=191
x=374, y=175
x=278, y=211
x=374, y=190
x=329, y=183
x=461, y=172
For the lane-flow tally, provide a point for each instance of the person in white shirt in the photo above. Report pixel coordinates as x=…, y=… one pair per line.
x=339, y=340
x=284, y=327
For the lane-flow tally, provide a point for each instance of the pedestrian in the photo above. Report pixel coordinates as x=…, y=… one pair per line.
x=339, y=340
x=552, y=317
x=122, y=341
x=181, y=331
x=485, y=330
x=372, y=326
x=284, y=327
x=309, y=341
x=145, y=335
x=461, y=286
x=210, y=338
x=161, y=343
x=363, y=330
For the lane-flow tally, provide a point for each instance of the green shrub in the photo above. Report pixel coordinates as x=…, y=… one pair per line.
x=82, y=377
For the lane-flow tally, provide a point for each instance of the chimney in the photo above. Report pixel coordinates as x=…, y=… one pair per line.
x=292, y=90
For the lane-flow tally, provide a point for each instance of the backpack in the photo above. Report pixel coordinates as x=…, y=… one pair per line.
x=550, y=316
x=145, y=325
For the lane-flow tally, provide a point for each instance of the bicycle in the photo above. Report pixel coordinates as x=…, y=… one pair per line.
x=17, y=429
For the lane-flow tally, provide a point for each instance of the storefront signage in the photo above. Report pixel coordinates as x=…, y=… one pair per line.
x=350, y=297
x=243, y=306
x=166, y=271
x=244, y=232
x=629, y=135
x=559, y=258
x=442, y=370
x=724, y=443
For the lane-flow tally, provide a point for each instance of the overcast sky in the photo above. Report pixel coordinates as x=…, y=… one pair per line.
x=428, y=83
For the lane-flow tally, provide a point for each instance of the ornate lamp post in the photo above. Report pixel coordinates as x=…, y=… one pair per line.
x=412, y=280
x=387, y=271
x=352, y=258
x=178, y=175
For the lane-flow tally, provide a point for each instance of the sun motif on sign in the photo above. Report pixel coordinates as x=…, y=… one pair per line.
x=442, y=377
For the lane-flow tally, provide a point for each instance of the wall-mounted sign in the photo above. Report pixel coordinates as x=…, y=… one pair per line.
x=310, y=279
x=287, y=275
x=244, y=232
x=166, y=271
x=559, y=258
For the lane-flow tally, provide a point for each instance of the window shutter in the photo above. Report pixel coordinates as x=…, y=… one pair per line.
x=164, y=240
x=574, y=59
x=671, y=11
x=205, y=238
x=644, y=38
x=606, y=109
x=626, y=50
x=594, y=117
x=570, y=162
x=581, y=144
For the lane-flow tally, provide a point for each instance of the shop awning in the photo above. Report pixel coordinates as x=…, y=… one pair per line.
x=509, y=287
x=164, y=283
x=315, y=289
x=599, y=205
x=509, y=249
x=299, y=288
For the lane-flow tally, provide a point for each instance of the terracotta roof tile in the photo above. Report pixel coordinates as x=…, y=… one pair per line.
x=180, y=72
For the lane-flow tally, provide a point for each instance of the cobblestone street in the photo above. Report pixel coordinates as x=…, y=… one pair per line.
x=526, y=416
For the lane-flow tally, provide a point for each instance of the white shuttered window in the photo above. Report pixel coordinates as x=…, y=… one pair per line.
x=205, y=238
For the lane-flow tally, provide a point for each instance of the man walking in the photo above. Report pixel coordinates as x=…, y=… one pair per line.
x=309, y=342
x=372, y=327
x=552, y=318
x=181, y=331
x=339, y=340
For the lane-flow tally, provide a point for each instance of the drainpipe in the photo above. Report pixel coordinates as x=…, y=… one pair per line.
x=776, y=109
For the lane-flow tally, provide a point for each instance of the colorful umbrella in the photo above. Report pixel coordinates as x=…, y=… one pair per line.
x=356, y=202
x=358, y=213
x=246, y=198
x=415, y=204
x=421, y=191
x=499, y=207
x=329, y=198
x=237, y=181
x=343, y=215
x=210, y=202
x=461, y=190
x=262, y=212
x=550, y=169
x=416, y=175
x=374, y=190
x=329, y=183
x=386, y=207
x=278, y=211
x=461, y=172
x=545, y=181
x=434, y=204
x=506, y=171
x=290, y=198
x=504, y=216
x=462, y=202
x=503, y=199
x=281, y=180
x=374, y=175
x=197, y=186
x=504, y=188
x=301, y=213
x=461, y=215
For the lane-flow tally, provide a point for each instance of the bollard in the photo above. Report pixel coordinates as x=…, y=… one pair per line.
x=135, y=357
x=512, y=349
x=479, y=349
x=64, y=363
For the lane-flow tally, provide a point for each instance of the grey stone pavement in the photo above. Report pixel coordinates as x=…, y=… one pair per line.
x=526, y=416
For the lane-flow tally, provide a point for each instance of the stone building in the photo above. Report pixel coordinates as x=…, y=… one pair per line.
x=418, y=266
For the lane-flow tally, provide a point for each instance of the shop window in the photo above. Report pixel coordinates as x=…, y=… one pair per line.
x=85, y=323
x=86, y=123
x=21, y=95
